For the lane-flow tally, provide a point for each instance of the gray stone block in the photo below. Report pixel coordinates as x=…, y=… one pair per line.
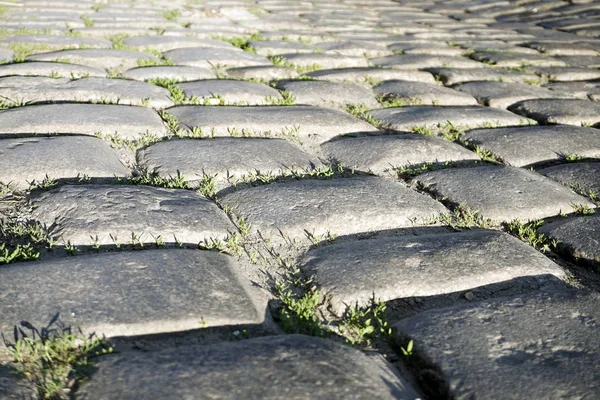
x=28, y=159
x=538, y=346
x=291, y=366
x=53, y=69
x=361, y=75
x=306, y=122
x=328, y=94
x=209, y=57
x=324, y=61
x=351, y=273
x=423, y=93
x=87, y=119
x=130, y=293
x=585, y=176
x=505, y=59
x=339, y=206
x=577, y=237
x=422, y=61
x=502, y=193
x=166, y=43
x=211, y=91
x=450, y=76
x=175, y=72
x=118, y=60
x=266, y=73
x=90, y=214
x=563, y=111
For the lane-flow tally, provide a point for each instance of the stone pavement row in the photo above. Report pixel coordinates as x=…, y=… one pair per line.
x=336, y=152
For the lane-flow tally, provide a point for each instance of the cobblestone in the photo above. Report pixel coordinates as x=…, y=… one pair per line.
x=207, y=181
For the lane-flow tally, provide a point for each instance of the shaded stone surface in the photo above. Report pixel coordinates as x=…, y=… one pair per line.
x=423, y=93
x=339, y=206
x=360, y=75
x=328, y=94
x=25, y=89
x=176, y=72
x=312, y=123
x=28, y=159
x=351, y=273
x=263, y=72
x=579, y=237
x=421, y=61
x=118, y=60
x=562, y=74
x=292, y=366
x=502, y=94
x=217, y=91
x=530, y=145
x=90, y=214
x=130, y=293
x=13, y=387
x=560, y=111
x=581, y=90
x=209, y=57
x=52, y=69
x=543, y=345
x=324, y=61
x=379, y=154
x=585, y=176
x=502, y=193
x=450, y=76
x=87, y=119
x=224, y=157
x=406, y=118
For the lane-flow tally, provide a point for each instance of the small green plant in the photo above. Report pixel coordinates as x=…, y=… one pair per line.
x=408, y=351
x=360, y=325
x=486, y=155
x=207, y=185
x=362, y=111
x=299, y=313
x=583, y=209
x=573, y=158
x=279, y=61
x=53, y=356
x=154, y=179
x=87, y=21
x=463, y=217
x=447, y=130
x=392, y=101
x=287, y=99
x=528, y=233
x=46, y=183
x=243, y=43
x=153, y=62
x=171, y=14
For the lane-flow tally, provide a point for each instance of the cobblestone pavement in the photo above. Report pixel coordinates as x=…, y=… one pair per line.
x=300, y=199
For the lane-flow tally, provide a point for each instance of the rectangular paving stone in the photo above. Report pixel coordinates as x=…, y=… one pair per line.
x=223, y=157
x=340, y=206
x=176, y=72
x=502, y=193
x=51, y=69
x=422, y=61
x=379, y=154
x=130, y=293
x=578, y=238
x=26, y=89
x=55, y=41
x=289, y=366
x=86, y=119
x=585, y=176
x=306, y=122
x=119, y=60
x=89, y=214
x=506, y=59
x=209, y=57
x=32, y=159
x=165, y=43
x=560, y=111
x=423, y=93
x=263, y=72
x=233, y=92
x=539, y=346
x=328, y=94
x=503, y=94
x=450, y=76
x=360, y=75
x=581, y=90
x=529, y=145
x=351, y=273
x=323, y=60
x=433, y=117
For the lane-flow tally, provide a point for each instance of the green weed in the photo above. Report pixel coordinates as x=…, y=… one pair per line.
x=528, y=233
x=360, y=325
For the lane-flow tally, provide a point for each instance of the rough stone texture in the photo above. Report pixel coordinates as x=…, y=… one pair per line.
x=6, y=55
x=263, y=72
x=405, y=118
x=216, y=91
x=324, y=61
x=13, y=387
x=118, y=60
x=56, y=42
x=360, y=75
x=560, y=74
x=293, y=366
x=176, y=72
x=421, y=61
x=539, y=346
x=351, y=273
x=502, y=193
x=379, y=154
x=87, y=119
x=89, y=214
x=25, y=89
x=581, y=90
x=209, y=57
x=505, y=59
x=339, y=206
x=28, y=159
x=354, y=48
x=328, y=94
x=450, y=76
x=52, y=69
x=166, y=43
x=276, y=47
x=503, y=95
x=224, y=157
x=579, y=237
x=560, y=111
x=130, y=293
x=424, y=93
x=585, y=176
x=312, y=123
x=530, y=145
